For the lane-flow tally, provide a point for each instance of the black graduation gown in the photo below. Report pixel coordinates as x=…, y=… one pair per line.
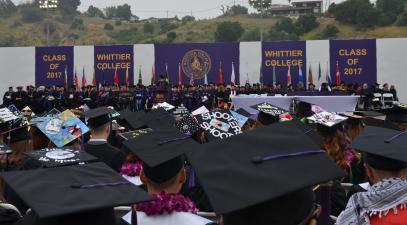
x=106, y=153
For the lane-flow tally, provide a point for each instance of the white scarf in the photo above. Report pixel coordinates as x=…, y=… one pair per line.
x=378, y=200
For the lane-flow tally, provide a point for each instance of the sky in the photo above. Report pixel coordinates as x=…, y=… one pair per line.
x=202, y=9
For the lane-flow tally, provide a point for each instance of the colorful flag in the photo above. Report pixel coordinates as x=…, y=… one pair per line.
x=127, y=77
x=328, y=74
x=300, y=76
x=66, y=77
x=289, y=75
x=140, y=77
x=75, y=80
x=338, y=74
x=247, y=78
x=180, y=80
x=94, y=78
x=166, y=75
x=83, y=78
x=274, y=76
x=310, y=76
x=261, y=74
x=319, y=73
x=116, y=77
x=220, y=75
x=152, y=75
x=233, y=76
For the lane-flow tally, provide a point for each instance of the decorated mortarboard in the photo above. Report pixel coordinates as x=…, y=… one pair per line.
x=135, y=134
x=351, y=115
x=327, y=119
x=55, y=157
x=269, y=109
x=133, y=118
x=161, y=152
x=219, y=124
x=187, y=125
x=200, y=110
x=63, y=128
x=385, y=148
x=54, y=112
x=27, y=111
x=240, y=118
x=166, y=106
x=260, y=162
x=56, y=194
x=14, y=110
x=98, y=117
x=181, y=111
x=6, y=115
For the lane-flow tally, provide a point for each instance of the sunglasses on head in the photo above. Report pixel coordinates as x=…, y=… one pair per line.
x=314, y=214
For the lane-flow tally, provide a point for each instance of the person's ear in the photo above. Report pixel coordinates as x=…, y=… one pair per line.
x=312, y=222
x=183, y=176
x=143, y=177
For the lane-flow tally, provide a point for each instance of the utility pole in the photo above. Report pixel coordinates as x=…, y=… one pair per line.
x=48, y=5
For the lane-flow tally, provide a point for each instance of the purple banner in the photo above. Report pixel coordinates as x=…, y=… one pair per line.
x=197, y=60
x=109, y=58
x=355, y=60
x=53, y=65
x=277, y=56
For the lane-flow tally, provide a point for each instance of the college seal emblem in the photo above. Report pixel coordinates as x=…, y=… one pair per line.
x=196, y=64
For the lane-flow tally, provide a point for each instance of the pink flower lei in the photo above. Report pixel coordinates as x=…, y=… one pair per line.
x=167, y=203
x=131, y=169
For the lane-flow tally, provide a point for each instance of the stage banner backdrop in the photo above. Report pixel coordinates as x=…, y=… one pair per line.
x=355, y=60
x=54, y=66
x=108, y=59
x=197, y=60
x=276, y=59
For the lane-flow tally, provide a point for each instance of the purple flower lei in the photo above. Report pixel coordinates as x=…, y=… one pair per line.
x=167, y=203
x=131, y=169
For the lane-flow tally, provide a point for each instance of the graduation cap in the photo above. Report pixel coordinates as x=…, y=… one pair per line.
x=304, y=109
x=187, y=125
x=56, y=157
x=200, y=110
x=161, y=152
x=398, y=113
x=243, y=112
x=98, y=117
x=384, y=148
x=240, y=118
x=63, y=128
x=135, y=134
x=71, y=194
x=6, y=115
x=219, y=124
x=327, y=119
x=181, y=111
x=158, y=118
x=267, y=163
x=166, y=106
x=14, y=110
x=380, y=123
x=133, y=118
x=54, y=112
x=269, y=109
x=309, y=129
x=371, y=114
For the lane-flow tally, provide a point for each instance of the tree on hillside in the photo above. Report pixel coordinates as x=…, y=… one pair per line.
x=237, y=10
x=148, y=28
x=367, y=16
x=187, y=19
x=68, y=7
x=110, y=12
x=228, y=31
x=124, y=12
x=390, y=9
x=251, y=35
x=355, y=12
x=330, y=31
x=7, y=8
x=171, y=36
x=402, y=20
x=94, y=12
x=306, y=23
x=31, y=14
x=258, y=3
x=285, y=24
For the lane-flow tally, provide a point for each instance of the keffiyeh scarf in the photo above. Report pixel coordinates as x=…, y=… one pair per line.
x=386, y=195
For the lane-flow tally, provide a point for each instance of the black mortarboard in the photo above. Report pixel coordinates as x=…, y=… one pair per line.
x=310, y=130
x=264, y=162
x=384, y=149
x=369, y=121
x=158, y=118
x=398, y=113
x=219, y=124
x=98, y=117
x=55, y=194
x=161, y=152
x=304, y=109
x=57, y=157
x=372, y=114
x=133, y=118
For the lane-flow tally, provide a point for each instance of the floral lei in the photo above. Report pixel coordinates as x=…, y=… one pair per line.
x=131, y=169
x=167, y=203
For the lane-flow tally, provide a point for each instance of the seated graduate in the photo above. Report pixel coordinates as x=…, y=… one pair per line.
x=79, y=194
x=385, y=200
x=163, y=174
x=263, y=186
x=98, y=146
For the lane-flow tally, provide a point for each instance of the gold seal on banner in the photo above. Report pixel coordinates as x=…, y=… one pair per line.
x=196, y=63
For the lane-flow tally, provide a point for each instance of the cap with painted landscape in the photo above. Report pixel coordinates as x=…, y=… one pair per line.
x=80, y=194
x=240, y=118
x=279, y=157
x=385, y=149
x=98, y=117
x=161, y=152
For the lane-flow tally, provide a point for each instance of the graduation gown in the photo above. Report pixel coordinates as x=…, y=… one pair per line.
x=175, y=218
x=106, y=153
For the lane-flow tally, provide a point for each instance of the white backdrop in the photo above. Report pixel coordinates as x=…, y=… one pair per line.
x=17, y=65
